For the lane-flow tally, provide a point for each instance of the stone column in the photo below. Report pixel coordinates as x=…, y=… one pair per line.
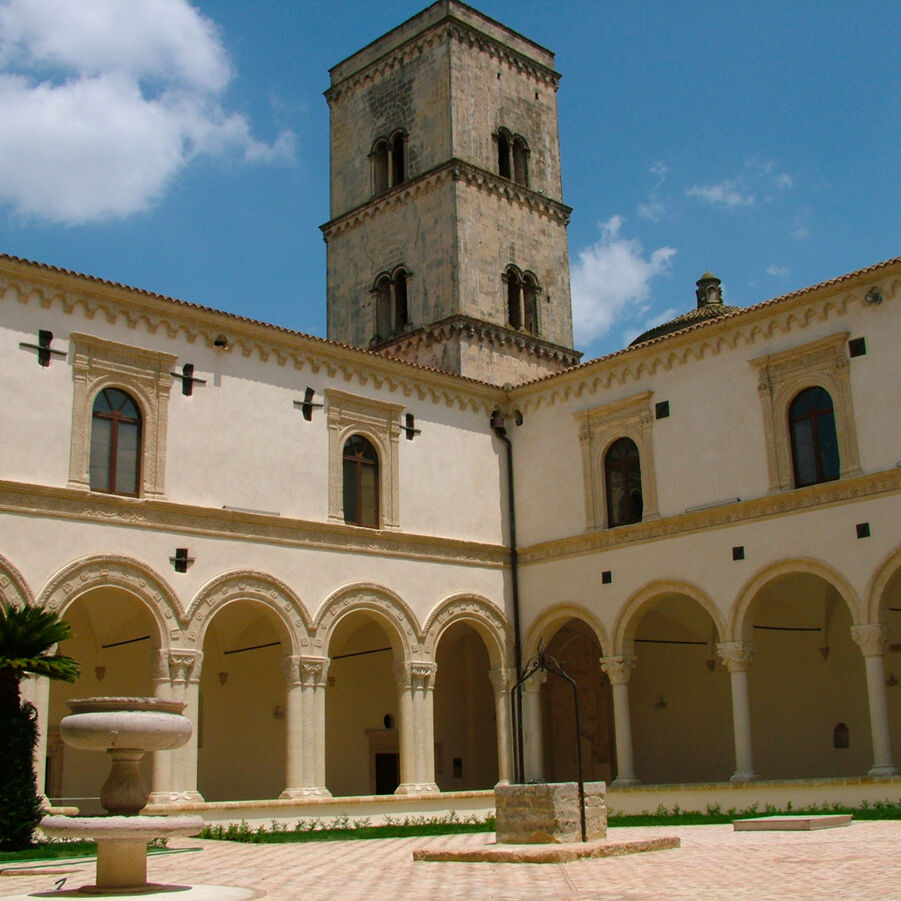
x=314, y=677
x=294, y=728
x=177, y=678
x=501, y=681
x=415, y=684
x=532, y=731
x=36, y=691
x=619, y=670
x=737, y=657
x=872, y=639
x=306, y=679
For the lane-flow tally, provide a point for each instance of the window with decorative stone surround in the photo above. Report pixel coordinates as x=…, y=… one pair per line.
x=781, y=379
x=377, y=422
x=142, y=374
x=600, y=429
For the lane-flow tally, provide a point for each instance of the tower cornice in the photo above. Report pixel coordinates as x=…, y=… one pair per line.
x=453, y=170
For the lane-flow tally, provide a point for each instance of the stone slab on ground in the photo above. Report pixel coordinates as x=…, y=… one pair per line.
x=169, y=892
x=799, y=823
x=550, y=853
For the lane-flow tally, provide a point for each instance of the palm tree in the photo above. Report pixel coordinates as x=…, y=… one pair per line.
x=27, y=636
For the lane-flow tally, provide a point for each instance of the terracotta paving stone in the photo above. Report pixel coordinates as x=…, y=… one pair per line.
x=859, y=861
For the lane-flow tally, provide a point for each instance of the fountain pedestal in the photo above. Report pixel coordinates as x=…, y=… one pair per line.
x=126, y=728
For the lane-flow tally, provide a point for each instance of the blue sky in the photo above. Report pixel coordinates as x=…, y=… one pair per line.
x=183, y=148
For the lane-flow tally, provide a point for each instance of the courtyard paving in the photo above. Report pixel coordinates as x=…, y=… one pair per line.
x=860, y=861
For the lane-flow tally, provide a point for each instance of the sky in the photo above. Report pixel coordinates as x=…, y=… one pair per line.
x=182, y=147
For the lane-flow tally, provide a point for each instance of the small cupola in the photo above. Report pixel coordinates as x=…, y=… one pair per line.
x=710, y=306
x=710, y=290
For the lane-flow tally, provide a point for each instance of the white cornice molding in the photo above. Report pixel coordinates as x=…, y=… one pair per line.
x=826, y=494
x=89, y=298
x=77, y=505
x=744, y=328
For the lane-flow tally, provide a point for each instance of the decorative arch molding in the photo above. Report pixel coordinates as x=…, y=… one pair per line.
x=84, y=575
x=478, y=612
x=890, y=567
x=14, y=590
x=638, y=604
x=555, y=617
x=389, y=609
x=249, y=585
x=801, y=565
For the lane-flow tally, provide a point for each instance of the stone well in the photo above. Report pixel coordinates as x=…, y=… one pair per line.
x=548, y=813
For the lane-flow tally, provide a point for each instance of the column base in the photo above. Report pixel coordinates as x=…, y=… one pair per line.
x=175, y=797
x=625, y=782
x=883, y=769
x=301, y=793
x=416, y=788
x=744, y=777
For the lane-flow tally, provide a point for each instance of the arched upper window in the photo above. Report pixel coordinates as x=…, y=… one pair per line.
x=503, y=153
x=622, y=474
x=814, y=441
x=522, y=299
x=115, y=443
x=520, y=161
x=391, y=306
x=512, y=157
x=361, y=482
x=389, y=162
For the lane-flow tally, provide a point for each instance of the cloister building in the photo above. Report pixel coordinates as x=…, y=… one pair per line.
x=337, y=551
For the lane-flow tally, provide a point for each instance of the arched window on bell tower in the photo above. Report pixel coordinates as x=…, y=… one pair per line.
x=388, y=159
x=522, y=299
x=390, y=304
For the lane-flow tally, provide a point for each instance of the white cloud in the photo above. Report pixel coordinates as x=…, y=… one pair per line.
x=778, y=271
x=105, y=102
x=611, y=280
x=654, y=209
x=727, y=193
x=630, y=334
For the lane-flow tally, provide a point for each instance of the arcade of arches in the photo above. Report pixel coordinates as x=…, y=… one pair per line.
x=796, y=682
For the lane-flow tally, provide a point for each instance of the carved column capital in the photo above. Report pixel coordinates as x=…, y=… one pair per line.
x=736, y=655
x=178, y=666
x=618, y=669
x=534, y=682
x=291, y=669
x=422, y=675
x=502, y=679
x=314, y=671
x=871, y=638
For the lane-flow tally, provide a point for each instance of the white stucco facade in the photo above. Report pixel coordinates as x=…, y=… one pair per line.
x=733, y=626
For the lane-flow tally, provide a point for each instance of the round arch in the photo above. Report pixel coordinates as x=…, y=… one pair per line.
x=14, y=590
x=478, y=612
x=551, y=620
x=386, y=607
x=890, y=567
x=73, y=580
x=630, y=615
x=249, y=585
x=802, y=566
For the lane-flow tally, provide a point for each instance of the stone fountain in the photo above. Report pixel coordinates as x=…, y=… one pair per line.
x=126, y=728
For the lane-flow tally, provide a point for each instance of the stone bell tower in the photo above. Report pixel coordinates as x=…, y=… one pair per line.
x=447, y=238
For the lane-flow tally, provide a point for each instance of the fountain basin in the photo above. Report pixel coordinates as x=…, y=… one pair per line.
x=121, y=844
x=145, y=724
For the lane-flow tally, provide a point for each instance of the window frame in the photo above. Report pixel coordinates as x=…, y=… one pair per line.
x=622, y=468
x=359, y=461
x=812, y=422
x=145, y=375
x=781, y=377
x=599, y=429
x=116, y=420
x=379, y=423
